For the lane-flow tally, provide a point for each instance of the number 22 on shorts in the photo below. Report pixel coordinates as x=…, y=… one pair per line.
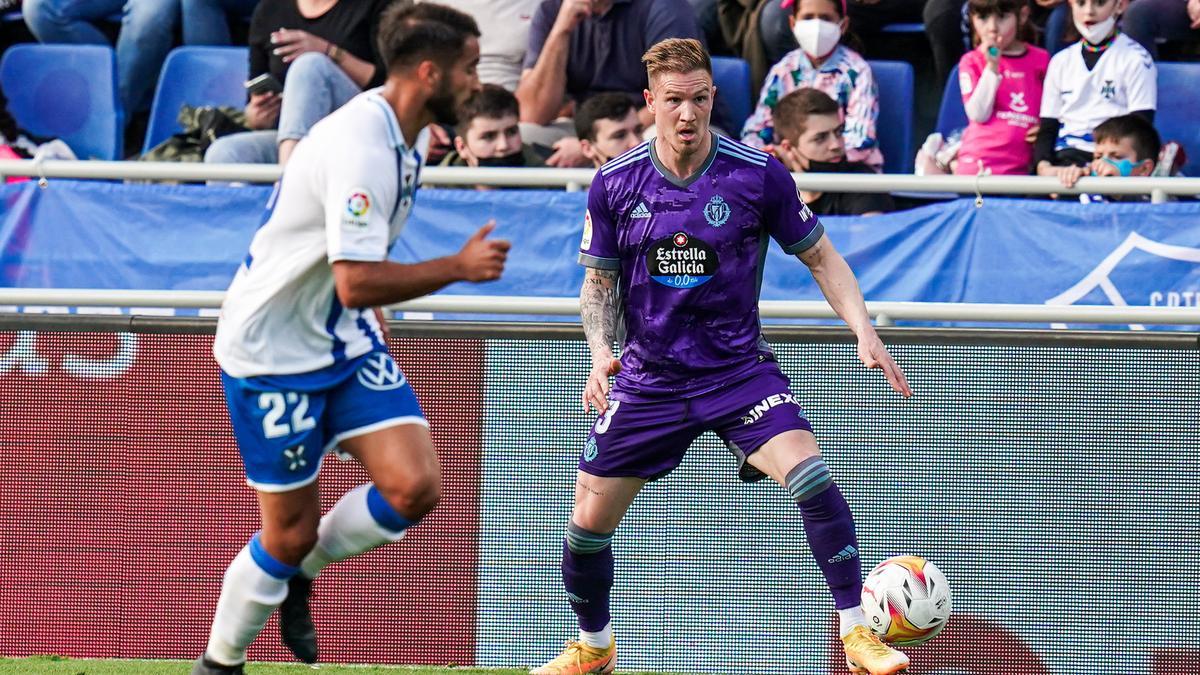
x=276, y=404
x=606, y=418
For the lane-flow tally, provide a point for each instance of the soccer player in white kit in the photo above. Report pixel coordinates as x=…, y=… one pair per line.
x=301, y=349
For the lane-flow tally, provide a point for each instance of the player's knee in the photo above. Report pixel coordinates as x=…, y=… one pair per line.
x=808, y=479
x=414, y=496
x=584, y=541
x=291, y=544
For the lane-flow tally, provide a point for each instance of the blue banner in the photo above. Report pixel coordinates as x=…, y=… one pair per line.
x=81, y=234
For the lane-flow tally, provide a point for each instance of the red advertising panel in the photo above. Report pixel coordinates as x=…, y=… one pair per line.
x=123, y=500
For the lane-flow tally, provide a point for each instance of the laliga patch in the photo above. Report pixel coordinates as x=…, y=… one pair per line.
x=680, y=261
x=358, y=208
x=587, y=231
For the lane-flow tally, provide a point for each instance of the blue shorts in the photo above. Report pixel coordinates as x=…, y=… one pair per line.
x=647, y=438
x=284, y=424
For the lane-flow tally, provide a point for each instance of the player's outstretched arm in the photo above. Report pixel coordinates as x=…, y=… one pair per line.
x=598, y=308
x=380, y=283
x=840, y=288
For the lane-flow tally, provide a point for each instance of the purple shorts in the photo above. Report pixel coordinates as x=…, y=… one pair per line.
x=647, y=438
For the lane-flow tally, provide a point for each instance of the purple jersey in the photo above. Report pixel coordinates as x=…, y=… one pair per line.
x=690, y=255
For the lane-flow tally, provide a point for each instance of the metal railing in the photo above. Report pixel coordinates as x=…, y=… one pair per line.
x=575, y=179
x=884, y=313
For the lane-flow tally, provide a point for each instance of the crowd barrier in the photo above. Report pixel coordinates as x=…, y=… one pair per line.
x=1051, y=475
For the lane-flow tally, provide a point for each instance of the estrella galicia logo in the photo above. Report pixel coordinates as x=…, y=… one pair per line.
x=381, y=373
x=590, y=450
x=680, y=261
x=716, y=211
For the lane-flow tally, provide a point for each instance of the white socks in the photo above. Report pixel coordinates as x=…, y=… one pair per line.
x=849, y=618
x=601, y=638
x=346, y=531
x=248, y=596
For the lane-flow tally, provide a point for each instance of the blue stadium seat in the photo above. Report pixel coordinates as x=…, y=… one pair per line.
x=1176, y=116
x=732, y=77
x=196, y=76
x=951, y=115
x=894, y=127
x=67, y=92
x=904, y=28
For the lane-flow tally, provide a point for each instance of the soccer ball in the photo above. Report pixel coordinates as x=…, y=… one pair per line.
x=906, y=600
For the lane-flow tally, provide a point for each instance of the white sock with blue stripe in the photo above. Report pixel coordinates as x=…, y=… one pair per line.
x=360, y=521
x=255, y=583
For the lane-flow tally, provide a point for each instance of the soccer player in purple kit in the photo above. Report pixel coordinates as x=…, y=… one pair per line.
x=674, y=240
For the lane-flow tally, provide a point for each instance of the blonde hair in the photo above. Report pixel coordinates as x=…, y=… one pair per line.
x=676, y=55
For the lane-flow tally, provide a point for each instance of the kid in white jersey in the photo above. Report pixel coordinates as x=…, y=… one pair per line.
x=1104, y=75
x=302, y=352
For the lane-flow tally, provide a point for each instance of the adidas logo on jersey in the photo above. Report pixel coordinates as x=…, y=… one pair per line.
x=848, y=553
x=641, y=211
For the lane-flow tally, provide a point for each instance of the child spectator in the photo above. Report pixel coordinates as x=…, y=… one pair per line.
x=822, y=62
x=488, y=133
x=1125, y=146
x=1104, y=75
x=811, y=138
x=1001, y=82
x=607, y=125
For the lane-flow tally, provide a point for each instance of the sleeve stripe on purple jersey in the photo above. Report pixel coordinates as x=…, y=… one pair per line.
x=807, y=242
x=621, y=163
x=598, y=262
x=741, y=147
x=729, y=153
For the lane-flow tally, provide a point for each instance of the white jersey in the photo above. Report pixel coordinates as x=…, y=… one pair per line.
x=346, y=193
x=1124, y=80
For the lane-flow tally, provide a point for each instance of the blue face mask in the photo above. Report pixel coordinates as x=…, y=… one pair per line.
x=1125, y=166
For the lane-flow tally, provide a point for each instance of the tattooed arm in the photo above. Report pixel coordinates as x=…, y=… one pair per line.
x=598, y=308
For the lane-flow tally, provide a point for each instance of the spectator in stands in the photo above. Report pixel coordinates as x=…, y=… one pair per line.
x=145, y=37
x=869, y=18
x=1149, y=20
x=206, y=22
x=1001, y=81
x=578, y=48
x=324, y=56
x=822, y=62
x=505, y=25
x=1082, y=89
x=607, y=125
x=488, y=133
x=1125, y=146
x=810, y=138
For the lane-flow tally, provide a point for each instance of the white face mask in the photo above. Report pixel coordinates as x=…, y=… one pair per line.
x=1096, y=33
x=816, y=37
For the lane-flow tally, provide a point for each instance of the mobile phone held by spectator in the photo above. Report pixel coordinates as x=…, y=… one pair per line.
x=264, y=84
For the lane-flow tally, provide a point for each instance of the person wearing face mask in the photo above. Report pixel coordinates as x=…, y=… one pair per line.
x=608, y=125
x=488, y=133
x=809, y=128
x=1105, y=74
x=1125, y=146
x=822, y=62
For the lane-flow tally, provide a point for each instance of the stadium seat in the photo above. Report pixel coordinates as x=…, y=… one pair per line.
x=195, y=76
x=732, y=77
x=951, y=115
x=904, y=28
x=67, y=92
x=894, y=127
x=1176, y=116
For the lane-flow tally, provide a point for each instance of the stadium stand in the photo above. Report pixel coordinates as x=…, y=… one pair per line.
x=732, y=77
x=67, y=92
x=195, y=76
x=951, y=115
x=1176, y=121
x=894, y=127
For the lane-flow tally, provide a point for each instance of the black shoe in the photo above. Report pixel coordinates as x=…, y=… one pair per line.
x=295, y=620
x=206, y=666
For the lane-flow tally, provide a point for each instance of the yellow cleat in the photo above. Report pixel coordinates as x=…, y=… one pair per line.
x=578, y=659
x=867, y=655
